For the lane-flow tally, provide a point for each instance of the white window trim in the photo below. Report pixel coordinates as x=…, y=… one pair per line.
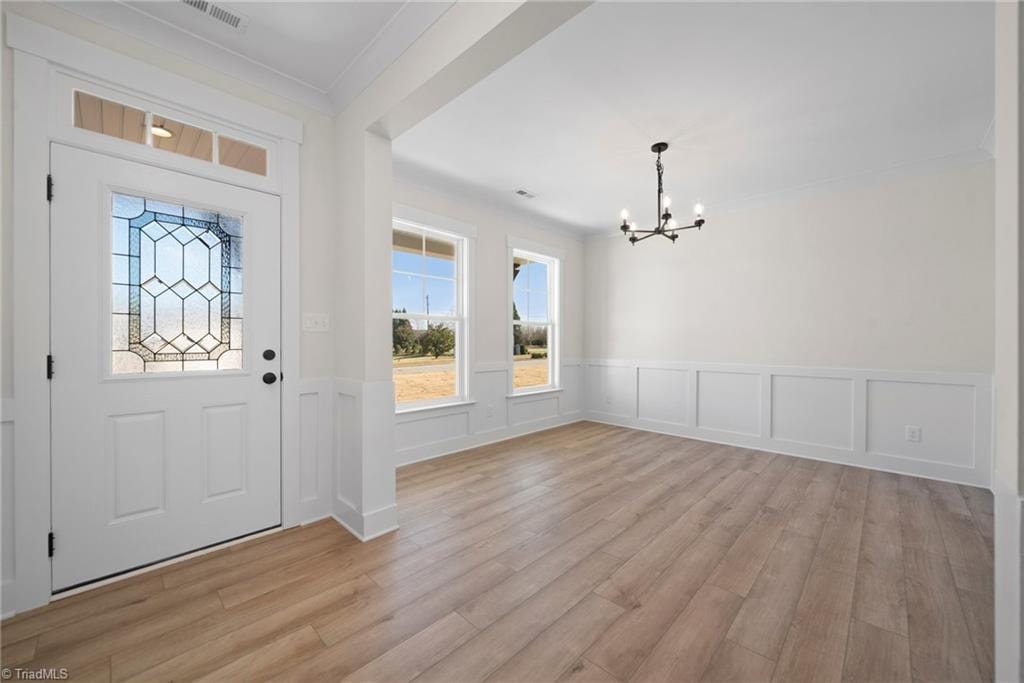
x=464, y=236
x=554, y=258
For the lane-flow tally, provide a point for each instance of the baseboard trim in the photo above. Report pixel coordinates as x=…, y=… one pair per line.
x=497, y=435
x=379, y=522
x=1009, y=507
x=368, y=526
x=748, y=441
x=363, y=538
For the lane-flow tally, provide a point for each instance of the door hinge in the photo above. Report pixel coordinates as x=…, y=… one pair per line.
x=49, y=544
x=49, y=366
x=49, y=187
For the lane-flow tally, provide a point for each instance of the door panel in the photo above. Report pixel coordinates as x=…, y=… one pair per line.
x=165, y=436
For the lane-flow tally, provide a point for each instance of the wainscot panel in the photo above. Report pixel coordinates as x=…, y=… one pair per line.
x=928, y=424
x=490, y=415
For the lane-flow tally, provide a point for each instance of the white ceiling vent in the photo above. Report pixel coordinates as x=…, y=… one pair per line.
x=220, y=13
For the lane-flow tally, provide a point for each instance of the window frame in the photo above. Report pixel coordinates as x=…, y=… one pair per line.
x=552, y=258
x=427, y=227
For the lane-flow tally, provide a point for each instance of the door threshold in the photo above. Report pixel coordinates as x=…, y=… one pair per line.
x=160, y=564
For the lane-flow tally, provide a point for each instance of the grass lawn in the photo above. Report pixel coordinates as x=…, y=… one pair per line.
x=419, y=378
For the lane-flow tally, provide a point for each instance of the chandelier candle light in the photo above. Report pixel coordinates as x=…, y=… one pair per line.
x=667, y=226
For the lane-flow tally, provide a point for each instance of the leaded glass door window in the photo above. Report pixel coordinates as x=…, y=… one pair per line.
x=177, y=287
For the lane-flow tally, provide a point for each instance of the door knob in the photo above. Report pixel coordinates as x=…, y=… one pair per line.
x=269, y=354
x=269, y=377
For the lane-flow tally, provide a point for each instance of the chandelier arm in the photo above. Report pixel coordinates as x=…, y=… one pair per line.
x=650, y=233
x=687, y=227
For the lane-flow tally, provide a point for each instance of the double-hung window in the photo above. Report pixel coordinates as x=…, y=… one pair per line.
x=428, y=316
x=534, y=321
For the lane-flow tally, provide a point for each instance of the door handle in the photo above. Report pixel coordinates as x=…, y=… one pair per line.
x=269, y=354
x=269, y=377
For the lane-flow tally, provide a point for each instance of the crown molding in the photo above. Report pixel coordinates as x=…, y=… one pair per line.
x=389, y=44
x=408, y=23
x=157, y=32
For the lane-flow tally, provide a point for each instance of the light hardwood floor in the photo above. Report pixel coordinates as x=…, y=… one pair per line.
x=583, y=553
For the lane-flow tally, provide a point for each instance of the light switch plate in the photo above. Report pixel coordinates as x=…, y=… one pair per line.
x=316, y=322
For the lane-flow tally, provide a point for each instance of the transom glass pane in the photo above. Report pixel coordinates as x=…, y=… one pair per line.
x=241, y=155
x=109, y=118
x=181, y=138
x=176, y=274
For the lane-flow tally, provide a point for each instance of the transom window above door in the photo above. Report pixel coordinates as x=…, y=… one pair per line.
x=152, y=129
x=176, y=274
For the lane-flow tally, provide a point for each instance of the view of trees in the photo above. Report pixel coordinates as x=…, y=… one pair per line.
x=437, y=340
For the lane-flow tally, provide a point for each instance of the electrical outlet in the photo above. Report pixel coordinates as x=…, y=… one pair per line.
x=490, y=411
x=913, y=433
x=316, y=322
x=607, y=400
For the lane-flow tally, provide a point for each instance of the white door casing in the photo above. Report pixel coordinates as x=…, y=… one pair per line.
x=149, y=465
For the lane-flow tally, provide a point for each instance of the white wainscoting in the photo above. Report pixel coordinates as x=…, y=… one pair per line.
x=316, y=446
x=316, y=439
x=490, y=415
x=7, y=509
x=856, y=417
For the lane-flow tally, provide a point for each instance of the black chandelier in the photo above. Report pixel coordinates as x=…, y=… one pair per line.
x=667, y=226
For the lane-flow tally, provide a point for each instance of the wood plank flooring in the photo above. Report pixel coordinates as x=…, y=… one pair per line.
x=583, y=553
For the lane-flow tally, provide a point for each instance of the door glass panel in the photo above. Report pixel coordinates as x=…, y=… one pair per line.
x=177, y=288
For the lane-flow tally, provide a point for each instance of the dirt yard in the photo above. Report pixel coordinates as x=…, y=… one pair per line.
x=425, y=381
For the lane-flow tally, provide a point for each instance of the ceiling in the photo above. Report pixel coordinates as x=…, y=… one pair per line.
x=322, y=54
x=755, y=99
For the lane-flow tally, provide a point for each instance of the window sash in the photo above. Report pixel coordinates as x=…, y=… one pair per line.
x=552, y=294
x=458, y=321
x=550, y=360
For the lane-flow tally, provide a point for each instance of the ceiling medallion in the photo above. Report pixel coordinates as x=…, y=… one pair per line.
x=667, y=226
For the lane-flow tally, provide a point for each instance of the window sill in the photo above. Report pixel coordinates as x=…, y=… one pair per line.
x=535, y=392
x=433, y=406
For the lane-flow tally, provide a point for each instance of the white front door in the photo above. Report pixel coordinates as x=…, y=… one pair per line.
x=165, y=333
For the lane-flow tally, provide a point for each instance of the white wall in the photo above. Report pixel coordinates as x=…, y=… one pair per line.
x=6, y=333
x=1006, y=485
x=493, y=416
x=892, y=273
x=821, y=325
